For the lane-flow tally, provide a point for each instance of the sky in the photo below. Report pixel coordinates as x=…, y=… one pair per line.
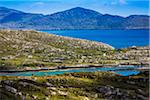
x=114, y=7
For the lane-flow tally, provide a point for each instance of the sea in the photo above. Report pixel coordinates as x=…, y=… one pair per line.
x=116, y=38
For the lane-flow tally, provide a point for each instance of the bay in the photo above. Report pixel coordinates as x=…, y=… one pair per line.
x=115, y=38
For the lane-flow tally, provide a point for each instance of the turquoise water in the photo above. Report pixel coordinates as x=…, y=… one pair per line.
x=115, y=38
x=127, y=72
x=124, y=71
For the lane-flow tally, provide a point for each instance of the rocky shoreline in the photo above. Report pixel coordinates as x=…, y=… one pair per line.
x=24, y=51
x=74, y=67
x=76, y=86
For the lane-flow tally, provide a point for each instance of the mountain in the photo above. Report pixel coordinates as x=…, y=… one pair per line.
x=75, y=18
x=10, y=18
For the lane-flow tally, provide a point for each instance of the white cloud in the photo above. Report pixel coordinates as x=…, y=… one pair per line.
x=122, y=2
x=39, y=3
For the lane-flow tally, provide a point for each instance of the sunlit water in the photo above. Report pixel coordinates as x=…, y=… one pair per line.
x=115, y=38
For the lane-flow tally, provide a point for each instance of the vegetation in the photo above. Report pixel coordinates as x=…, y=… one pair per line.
x=33, y=50
x=76, y=86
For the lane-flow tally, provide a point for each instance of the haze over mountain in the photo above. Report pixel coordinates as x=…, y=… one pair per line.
x=75, y=18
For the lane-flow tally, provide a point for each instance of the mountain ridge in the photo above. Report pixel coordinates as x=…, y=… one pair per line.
x=74, y=18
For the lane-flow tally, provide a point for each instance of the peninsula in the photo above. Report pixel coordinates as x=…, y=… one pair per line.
x=33, y=50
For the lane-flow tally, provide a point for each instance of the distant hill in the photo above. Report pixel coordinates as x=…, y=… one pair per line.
x=75, y=18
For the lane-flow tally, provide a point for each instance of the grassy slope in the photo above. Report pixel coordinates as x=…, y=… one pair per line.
x=31, y=48
x=77, y=86
x=21, y=49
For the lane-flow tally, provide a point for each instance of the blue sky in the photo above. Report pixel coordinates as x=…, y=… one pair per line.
x=114, y=7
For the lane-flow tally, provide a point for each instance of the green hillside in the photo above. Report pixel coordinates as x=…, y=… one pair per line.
x=31, y=49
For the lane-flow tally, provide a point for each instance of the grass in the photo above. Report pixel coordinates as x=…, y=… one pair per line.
x=21, y=49
x=79, y=86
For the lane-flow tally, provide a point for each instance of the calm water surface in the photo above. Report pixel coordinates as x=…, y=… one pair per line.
x=115, y=38
x=125, y=72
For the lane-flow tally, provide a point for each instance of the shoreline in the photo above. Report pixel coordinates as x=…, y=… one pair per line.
x=71, y=67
